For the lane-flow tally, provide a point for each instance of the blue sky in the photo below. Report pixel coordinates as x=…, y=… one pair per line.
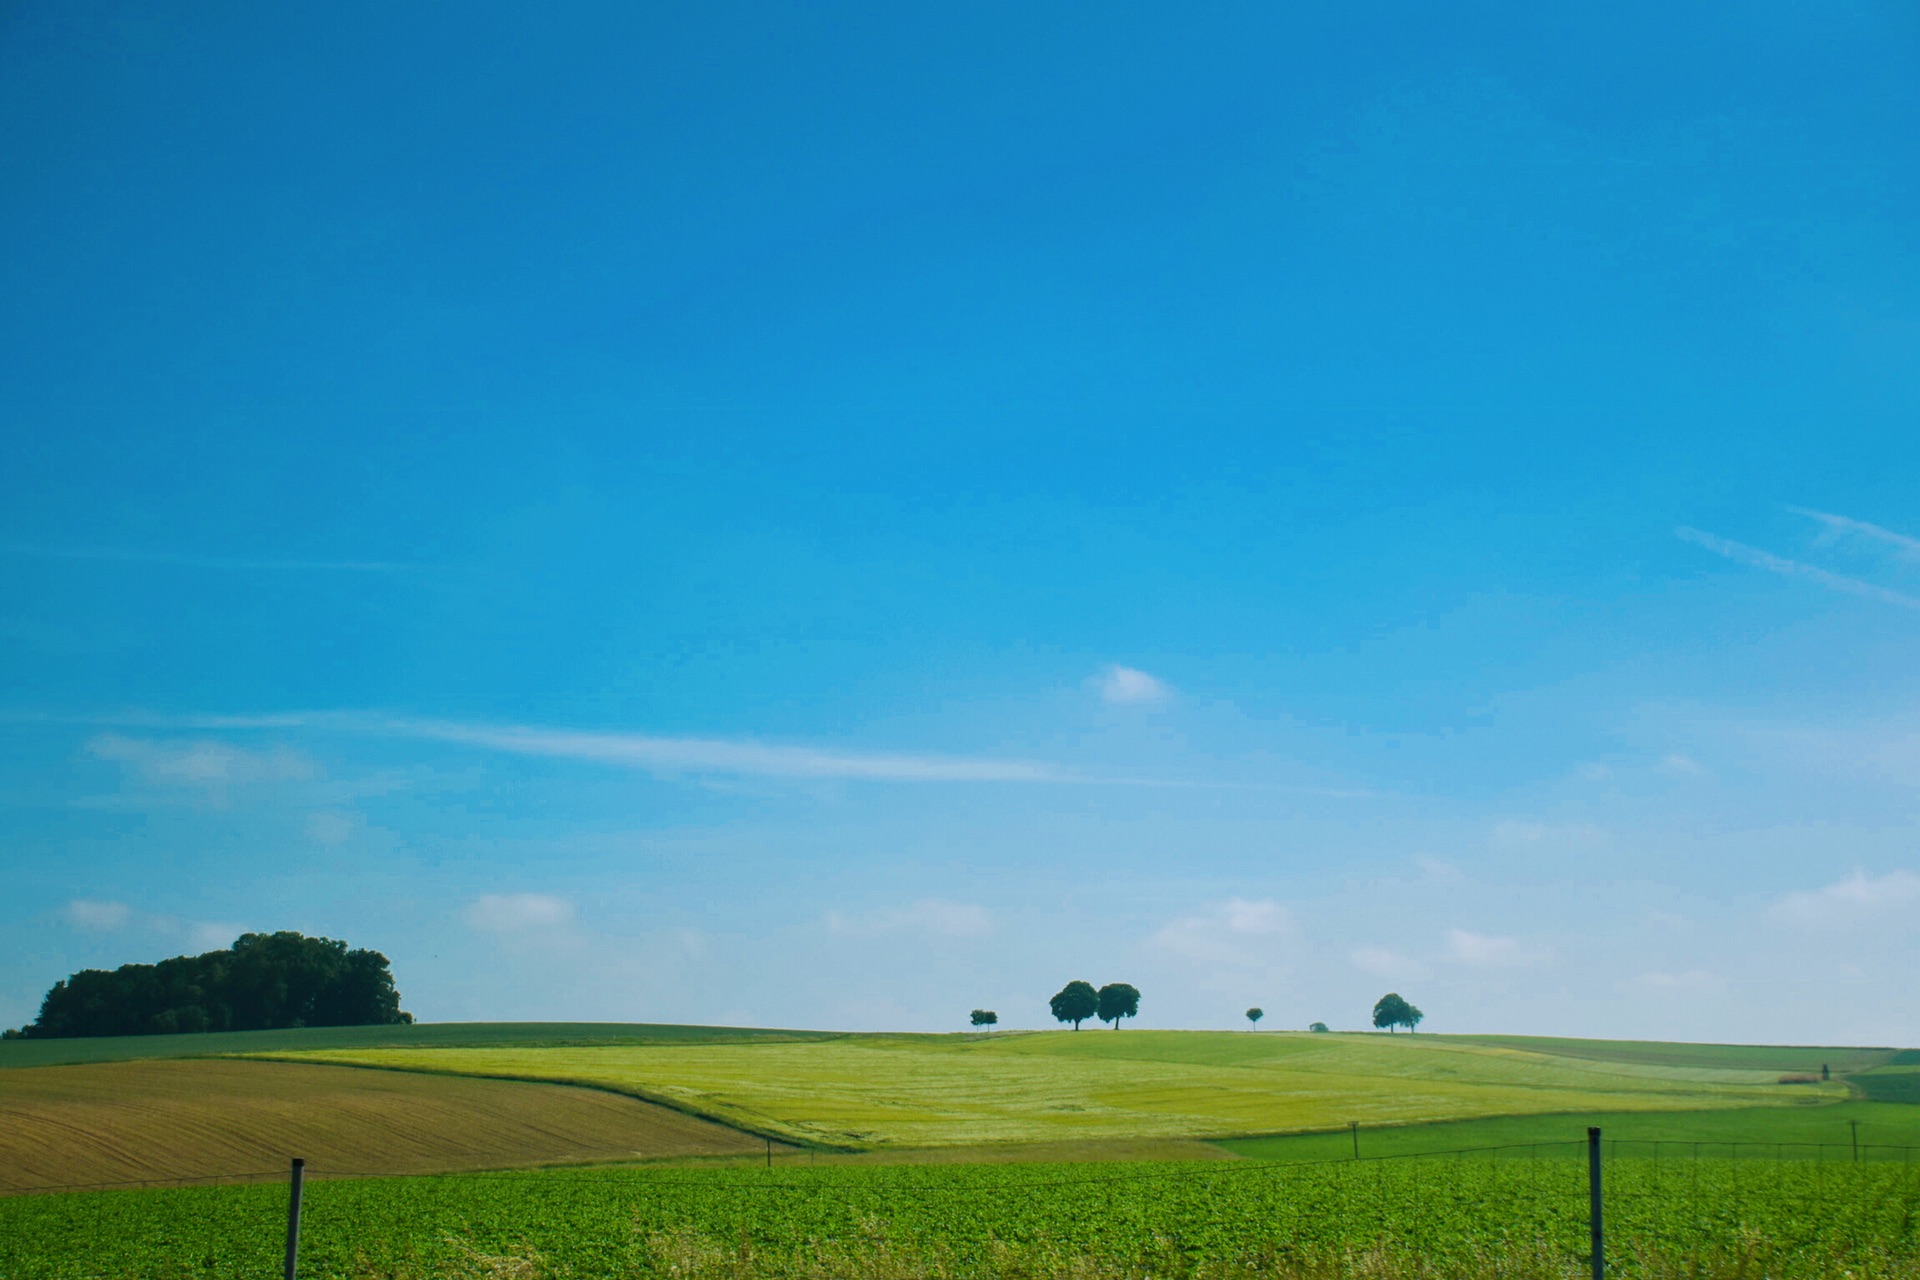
x=834, y=515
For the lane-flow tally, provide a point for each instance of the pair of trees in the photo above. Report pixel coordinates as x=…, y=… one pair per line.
x=1391, y=1011
x=1078, y=1001
x=985, y=1017
x=264, y=980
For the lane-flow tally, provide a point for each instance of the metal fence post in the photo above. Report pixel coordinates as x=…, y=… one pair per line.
x=1597, y=1236
x=293, y=1217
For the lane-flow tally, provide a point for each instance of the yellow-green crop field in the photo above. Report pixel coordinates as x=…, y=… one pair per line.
x=901, y=1091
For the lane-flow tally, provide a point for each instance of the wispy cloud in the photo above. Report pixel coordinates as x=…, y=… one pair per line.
x=719, y=755
x=97, y=917
x=1485, y=951
x=1855, y=900
x=206, y=765
x=1129, y=686
x=1837, y=526
x=1741, y=553
x=1238, y=934
x=515, y=913
x=176, y=560
x=927, y=916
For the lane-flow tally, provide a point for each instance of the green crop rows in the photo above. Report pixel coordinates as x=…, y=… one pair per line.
x=1432, y=1216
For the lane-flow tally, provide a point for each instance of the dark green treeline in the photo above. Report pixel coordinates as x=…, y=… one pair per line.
x=263, y=981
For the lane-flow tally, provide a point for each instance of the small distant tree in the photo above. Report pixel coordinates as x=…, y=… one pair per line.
x=985, y=1017
x=1075, y=1003
x=1255, y=1014
x=1317, y=1027
x=1391, y=1011
x=1117, y=1001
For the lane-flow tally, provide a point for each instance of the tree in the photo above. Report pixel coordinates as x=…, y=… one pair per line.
x=1317, y=1026
x=265, y=980
x=1075, y=1003
x=1255, y=1014
x=1117, y=1000
x=1391, y=1011
x=985, y=1017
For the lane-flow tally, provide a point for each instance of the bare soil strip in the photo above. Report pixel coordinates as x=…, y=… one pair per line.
x=174, y=1120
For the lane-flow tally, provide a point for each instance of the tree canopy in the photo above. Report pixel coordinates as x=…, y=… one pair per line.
x=1075, y=1003
x=263, y=981
x=1117, y=1000
x=985, y=1017
x=1255, y=1014
x=1391, y=1011
x=1317, y=1026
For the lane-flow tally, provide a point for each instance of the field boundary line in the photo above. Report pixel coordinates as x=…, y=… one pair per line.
x=638, y=1095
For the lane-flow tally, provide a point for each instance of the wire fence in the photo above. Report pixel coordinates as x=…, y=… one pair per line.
x=1653, y=1150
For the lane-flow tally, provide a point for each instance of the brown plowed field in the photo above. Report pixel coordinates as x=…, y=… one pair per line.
x=180, y=1119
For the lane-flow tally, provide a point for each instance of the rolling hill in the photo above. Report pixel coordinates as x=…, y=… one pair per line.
x=904, y=1091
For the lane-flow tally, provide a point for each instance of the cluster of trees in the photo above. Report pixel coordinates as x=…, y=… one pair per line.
x=263, y=981
x=1078, y=1001
x=1391, y=1011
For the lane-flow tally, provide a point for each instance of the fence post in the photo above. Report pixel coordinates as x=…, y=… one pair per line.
x=1597, y=1236
x=293, y=1217
x=1854, y=1125
x=1354, y=1127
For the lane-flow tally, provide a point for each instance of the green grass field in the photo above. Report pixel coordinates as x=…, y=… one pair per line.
x=901, y=1091
x=1408, y=1219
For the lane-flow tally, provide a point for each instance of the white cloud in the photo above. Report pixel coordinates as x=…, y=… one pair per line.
x=1129, y=686
x=98, y=917
x=205, y=764
x=211, y=935
x=1242, y=916
x=1231, y=944
x=332, y=827
x=927, y=916
x=518, y=913
x=1484, y=951
x=1855, y=900
x=1384, y=963
x=1740, y=553
x=714, y=755
x=1682, y=766
x=1513, y=831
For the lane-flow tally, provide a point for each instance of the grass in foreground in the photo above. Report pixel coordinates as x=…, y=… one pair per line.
x=1377, y=1219
x=929, y=1091
x=109, y=1122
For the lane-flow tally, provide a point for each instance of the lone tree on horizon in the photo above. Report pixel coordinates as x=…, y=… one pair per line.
x=1118, y=1000
x=985, y=1017
x=1255, y=1014
x=1075, y=1003
x=1391, y=1011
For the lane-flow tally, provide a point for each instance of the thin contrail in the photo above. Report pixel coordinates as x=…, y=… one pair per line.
x=1741, y=553
x=1847, y=524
